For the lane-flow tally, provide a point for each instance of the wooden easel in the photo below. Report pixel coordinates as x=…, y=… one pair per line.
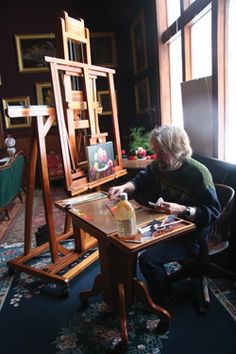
x=69, y=120
x=67, y=113
x=72, y=39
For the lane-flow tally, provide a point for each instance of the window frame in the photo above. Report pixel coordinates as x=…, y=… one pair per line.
x=189, y=12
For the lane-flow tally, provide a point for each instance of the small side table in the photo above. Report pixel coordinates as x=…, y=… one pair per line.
x=136, y=164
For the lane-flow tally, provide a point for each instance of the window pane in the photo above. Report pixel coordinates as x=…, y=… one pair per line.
x=230, y=140
x=201, y=47
x=175, y=55
x=173, y=10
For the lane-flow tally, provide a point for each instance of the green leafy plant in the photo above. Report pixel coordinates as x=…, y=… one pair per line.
x=138, y=137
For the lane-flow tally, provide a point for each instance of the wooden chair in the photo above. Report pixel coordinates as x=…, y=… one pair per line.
x=11, y=174
x=218, y=240
x=204, y=265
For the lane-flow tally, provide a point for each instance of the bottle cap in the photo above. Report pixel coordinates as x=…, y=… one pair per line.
x=123, y=196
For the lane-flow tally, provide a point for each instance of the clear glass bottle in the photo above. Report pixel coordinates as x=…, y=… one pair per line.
x=125, y=218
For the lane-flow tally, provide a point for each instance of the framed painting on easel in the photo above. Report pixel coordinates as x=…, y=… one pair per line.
x=100, y=160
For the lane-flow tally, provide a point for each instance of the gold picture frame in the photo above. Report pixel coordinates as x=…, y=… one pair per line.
x=44, y=93
x=31, y=50
x=105, y=102
x=139, y=44
x=142, y=96
x=18, y=122
x=103, y=49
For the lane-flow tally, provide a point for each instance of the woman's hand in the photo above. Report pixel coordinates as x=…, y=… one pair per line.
x=114, y=192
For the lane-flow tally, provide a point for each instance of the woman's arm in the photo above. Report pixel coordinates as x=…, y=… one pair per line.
x=115, y=191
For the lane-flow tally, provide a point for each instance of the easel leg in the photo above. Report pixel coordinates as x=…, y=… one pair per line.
x=30, y=190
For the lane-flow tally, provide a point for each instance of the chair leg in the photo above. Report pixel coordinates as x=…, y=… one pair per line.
x=7, y=214
x=20, y=197
x=201, y=294
x=205, y=291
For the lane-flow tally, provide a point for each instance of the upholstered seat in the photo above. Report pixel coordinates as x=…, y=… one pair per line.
x=11, y=174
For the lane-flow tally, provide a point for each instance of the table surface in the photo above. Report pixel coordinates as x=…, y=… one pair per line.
x=99, y=215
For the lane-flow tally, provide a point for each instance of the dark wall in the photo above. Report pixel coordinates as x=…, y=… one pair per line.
x=118, y=16
x=25, y=17
x=28, y=17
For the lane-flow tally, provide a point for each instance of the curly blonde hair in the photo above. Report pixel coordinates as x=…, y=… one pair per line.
x=172, y=139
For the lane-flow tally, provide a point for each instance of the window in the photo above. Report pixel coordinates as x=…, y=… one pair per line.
x=230, y=146
x=173, y=10
x=176, y=79
x=201, y=47
x=204, y=32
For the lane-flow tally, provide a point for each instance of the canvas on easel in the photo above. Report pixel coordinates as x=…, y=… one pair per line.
x=100, y=160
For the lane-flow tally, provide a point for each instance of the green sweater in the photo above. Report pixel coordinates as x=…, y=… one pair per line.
x=190, y=185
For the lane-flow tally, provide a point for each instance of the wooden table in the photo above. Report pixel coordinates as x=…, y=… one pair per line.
x=118, y=259
x=137, y=164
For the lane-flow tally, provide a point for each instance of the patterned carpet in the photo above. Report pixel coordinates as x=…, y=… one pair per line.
x=94, y=330
x=13, y=210
x=13, y=231
x=35, y=313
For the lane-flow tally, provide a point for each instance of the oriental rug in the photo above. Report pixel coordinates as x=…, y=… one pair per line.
x=13, y=231
x=36, y=318
x=14, y=209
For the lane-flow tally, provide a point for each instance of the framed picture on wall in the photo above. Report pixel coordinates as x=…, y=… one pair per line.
x=44, y=93
x=103, y=48
x=105, y=102
x=31, y=50
x=18, y=122
x=139, y=45
x=142, y=96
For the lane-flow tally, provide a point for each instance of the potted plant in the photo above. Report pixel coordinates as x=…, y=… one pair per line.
x=138, y=137
x=139, y=142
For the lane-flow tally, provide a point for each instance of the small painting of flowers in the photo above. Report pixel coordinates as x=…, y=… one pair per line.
x=100, y=160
